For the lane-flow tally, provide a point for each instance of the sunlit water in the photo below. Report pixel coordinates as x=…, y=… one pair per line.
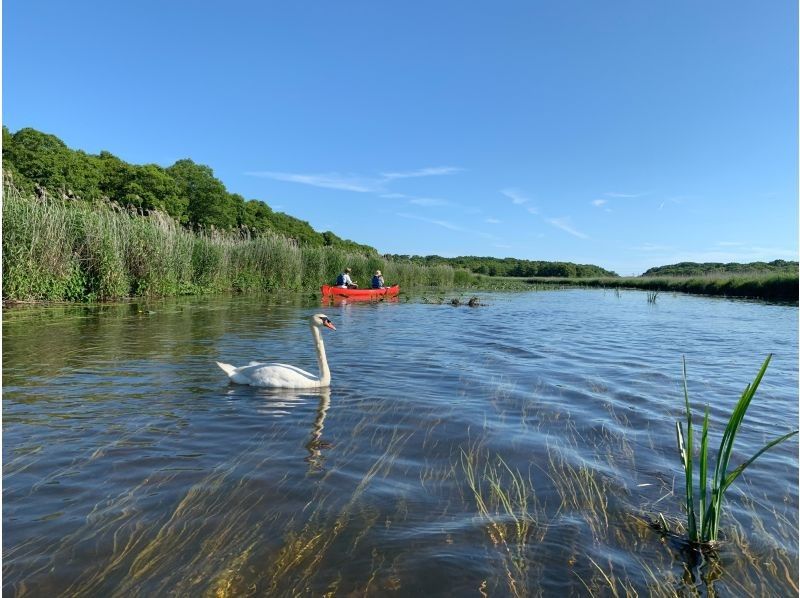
x=132, y=468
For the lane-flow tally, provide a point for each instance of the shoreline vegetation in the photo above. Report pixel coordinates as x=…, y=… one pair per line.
x=57, y=250
x=83, y=227
x=782, y=287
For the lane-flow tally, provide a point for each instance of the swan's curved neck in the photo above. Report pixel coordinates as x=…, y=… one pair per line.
x=324, y=372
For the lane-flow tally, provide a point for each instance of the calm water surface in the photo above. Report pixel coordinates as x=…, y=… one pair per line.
x=516, y=448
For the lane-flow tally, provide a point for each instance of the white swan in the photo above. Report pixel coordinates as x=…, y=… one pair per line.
x=280, y=375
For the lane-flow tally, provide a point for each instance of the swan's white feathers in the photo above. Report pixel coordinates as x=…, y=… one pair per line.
x=281, y=375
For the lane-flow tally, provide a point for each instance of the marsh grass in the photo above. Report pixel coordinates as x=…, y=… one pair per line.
x=56, y=250
x=757, y=285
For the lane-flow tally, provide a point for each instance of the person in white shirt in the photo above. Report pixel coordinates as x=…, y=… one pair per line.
x=344, y=280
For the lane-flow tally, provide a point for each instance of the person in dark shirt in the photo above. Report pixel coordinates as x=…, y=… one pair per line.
x=377, y=280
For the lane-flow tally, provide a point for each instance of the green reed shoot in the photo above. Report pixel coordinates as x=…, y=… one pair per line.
x=706, y=529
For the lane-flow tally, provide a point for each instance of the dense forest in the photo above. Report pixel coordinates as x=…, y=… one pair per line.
x=710, y=268
x=510, y=266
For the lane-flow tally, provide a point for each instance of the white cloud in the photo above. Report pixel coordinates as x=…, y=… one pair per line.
x=433, y=171
x=328, y=181
x=565, y=225
x=442, y=223
x=652, y=247
x=624, y=195
x=446, y=224
x=599, y=202
x=351, y=182
x=429, y=201
x=515, y=196
x=532, y=209
x=493, y=221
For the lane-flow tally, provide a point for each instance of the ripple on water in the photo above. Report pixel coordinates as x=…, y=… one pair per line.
x=132, y=467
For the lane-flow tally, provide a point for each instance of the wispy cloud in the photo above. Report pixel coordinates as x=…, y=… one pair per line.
x=532, y=210
x=493, y=221
x=442, y=223
x=352, y=182
x=429, y=202
x=328, y=181
x=652, y=247
x=624, y=195
x=515, y=196
x=433, y=171
x=565, y=225
x=446, y=224
x=599, y=202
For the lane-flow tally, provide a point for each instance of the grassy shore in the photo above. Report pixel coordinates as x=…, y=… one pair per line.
x=773, y=287
x=73, y=251
x=55, y=250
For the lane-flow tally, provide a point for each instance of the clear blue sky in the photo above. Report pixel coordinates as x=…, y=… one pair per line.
x=626, y=134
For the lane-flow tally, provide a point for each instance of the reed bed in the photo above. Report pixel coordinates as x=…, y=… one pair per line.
x=756, y=285
x=56, y=250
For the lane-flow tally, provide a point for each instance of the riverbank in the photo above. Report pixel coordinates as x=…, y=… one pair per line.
x=56, y=250
x=770, y=287
x=71, y=251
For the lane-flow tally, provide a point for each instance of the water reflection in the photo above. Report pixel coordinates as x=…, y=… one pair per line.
x=279, y=403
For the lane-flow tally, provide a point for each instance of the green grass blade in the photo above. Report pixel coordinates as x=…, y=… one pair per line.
x=726, y=448
x=729, y=479
x=704, y=474
x=687, y=456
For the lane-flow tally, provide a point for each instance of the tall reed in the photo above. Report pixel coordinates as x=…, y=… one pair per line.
x=55, y=250
x=705, y=529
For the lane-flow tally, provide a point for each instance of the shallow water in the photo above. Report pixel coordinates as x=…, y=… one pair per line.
x=131, y=467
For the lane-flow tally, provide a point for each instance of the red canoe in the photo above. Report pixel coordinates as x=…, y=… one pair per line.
x=329, y=291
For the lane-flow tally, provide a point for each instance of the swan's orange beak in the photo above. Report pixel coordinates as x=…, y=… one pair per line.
x=329, y=324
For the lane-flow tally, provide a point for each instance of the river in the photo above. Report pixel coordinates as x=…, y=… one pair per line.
x=519, y=447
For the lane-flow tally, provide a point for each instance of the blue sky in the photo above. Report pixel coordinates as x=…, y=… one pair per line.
x=626, y=134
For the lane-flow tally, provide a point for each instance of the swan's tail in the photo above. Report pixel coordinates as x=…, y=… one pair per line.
x=228, y=369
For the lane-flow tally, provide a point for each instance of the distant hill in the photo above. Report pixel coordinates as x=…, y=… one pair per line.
x=509, y=266
x=703, y=269
x=36, y=162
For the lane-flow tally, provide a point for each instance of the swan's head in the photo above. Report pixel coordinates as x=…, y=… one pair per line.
x=322, y=320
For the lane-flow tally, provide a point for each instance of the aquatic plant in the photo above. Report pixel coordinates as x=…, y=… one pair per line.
x=705, y=529
x=652, y=296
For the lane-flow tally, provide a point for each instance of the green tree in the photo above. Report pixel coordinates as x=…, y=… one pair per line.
x=208, y=201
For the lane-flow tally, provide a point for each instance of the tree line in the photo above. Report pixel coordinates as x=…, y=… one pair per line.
x=188, y=192
x=508, y=266
x=711, y=268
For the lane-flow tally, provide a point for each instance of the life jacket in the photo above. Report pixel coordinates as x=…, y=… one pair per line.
x=340, y=280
